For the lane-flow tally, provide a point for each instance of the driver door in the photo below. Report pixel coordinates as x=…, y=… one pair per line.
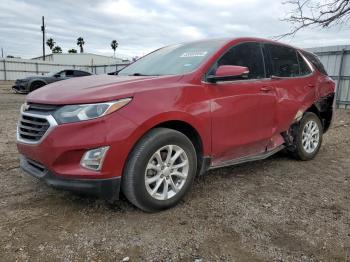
x=243, y=110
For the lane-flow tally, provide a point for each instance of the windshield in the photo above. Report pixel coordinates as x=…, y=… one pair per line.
x=173, y=60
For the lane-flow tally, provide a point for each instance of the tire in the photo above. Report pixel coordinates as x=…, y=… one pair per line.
x=35, y=85
x=144, y=165
x=304, y=150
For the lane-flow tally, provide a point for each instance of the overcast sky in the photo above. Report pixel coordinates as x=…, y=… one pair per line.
x=141, y=26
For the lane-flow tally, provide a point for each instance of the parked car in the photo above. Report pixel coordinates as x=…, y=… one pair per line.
x=32, y=83
x=174, y=114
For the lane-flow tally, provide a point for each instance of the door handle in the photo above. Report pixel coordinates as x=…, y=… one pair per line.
x=265, y=89
x=311, y=85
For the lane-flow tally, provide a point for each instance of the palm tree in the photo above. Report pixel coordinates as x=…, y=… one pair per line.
x=80, y=43
x=114, y=45
x=57, y=50
x=50, y=43
x=72, y=51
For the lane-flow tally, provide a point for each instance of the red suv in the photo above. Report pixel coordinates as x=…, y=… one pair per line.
x=174, y=114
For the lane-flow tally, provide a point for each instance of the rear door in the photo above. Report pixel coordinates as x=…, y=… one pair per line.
x=243, y=110
x=293, y=80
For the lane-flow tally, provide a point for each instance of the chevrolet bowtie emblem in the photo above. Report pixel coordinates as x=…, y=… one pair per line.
x=26, y=107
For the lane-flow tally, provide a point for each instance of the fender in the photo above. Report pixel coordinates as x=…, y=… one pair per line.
x=292, y=106
x=323, y=107
x=203, y=131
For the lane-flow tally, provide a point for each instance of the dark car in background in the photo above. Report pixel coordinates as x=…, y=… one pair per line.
x=31, y=83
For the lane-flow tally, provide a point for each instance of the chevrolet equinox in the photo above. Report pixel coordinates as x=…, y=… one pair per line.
x=174, y=114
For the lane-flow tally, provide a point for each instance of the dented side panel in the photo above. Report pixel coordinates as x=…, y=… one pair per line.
x=295, y=96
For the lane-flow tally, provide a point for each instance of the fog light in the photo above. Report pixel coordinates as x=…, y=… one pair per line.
x=93, y=159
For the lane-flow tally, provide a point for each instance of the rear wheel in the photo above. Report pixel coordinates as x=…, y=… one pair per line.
x=160, y=170
x=307, y=137
x=36, y=85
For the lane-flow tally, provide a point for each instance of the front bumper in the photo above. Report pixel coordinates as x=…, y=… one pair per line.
x=105, y=188
x=62, y=147
x=56, y=158
x=21, y=88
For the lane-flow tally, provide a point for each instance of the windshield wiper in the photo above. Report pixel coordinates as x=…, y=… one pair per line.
x=139, y=74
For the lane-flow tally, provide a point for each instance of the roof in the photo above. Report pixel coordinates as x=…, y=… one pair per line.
x=228, y=40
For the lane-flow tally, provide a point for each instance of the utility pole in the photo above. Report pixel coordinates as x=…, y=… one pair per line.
x=43, y=30
x=2, y=52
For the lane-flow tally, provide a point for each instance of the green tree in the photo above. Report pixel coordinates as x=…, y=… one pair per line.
x=81, y=43
x=50, y=43
x=72, y=51
x=57, y=50
x=114, y=45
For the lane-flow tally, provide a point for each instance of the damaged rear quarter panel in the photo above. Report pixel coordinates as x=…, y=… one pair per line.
x=297, y=95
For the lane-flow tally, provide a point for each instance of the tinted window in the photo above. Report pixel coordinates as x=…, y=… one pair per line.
x=304, y=68
x=284, y=61
x=248, y=55
x=315, y=61
x=69, y=72
x=81, y=73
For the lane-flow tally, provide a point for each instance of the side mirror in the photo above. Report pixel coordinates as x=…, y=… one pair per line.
x=229, y=73
x=57, y=75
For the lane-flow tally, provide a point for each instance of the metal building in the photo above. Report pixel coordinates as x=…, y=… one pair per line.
x=336, y=60
x=86, y=59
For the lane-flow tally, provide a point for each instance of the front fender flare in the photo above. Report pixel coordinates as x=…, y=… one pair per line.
x=203, y=131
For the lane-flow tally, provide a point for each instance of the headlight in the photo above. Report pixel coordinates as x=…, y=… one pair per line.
x=74, y=113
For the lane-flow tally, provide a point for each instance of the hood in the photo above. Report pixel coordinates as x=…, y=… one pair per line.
x=97, y=88
x=28, y=78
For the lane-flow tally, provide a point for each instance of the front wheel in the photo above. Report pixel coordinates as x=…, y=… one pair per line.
x=307, y=137
x=159, y=170
x=36, y=85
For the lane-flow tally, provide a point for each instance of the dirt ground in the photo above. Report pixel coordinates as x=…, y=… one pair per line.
x=278, y=209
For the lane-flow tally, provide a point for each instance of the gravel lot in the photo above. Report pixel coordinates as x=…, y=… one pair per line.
x=278, y=209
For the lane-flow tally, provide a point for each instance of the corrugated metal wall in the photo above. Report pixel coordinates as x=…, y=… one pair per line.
x=336, y=60
x=12, y=69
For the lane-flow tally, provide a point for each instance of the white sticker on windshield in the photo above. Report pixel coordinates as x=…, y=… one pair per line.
x=194, y=54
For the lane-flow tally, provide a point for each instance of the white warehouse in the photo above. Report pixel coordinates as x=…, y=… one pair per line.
x=86, y=59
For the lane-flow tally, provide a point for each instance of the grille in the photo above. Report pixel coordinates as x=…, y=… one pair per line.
x=32, y=128
x=41, y=107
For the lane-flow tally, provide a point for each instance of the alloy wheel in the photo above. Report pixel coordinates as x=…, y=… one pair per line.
x=310, y=136
x=166, y=172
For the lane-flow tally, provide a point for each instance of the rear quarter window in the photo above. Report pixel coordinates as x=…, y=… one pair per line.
x=304, y=68
x=315, y=61
x=81, y=73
